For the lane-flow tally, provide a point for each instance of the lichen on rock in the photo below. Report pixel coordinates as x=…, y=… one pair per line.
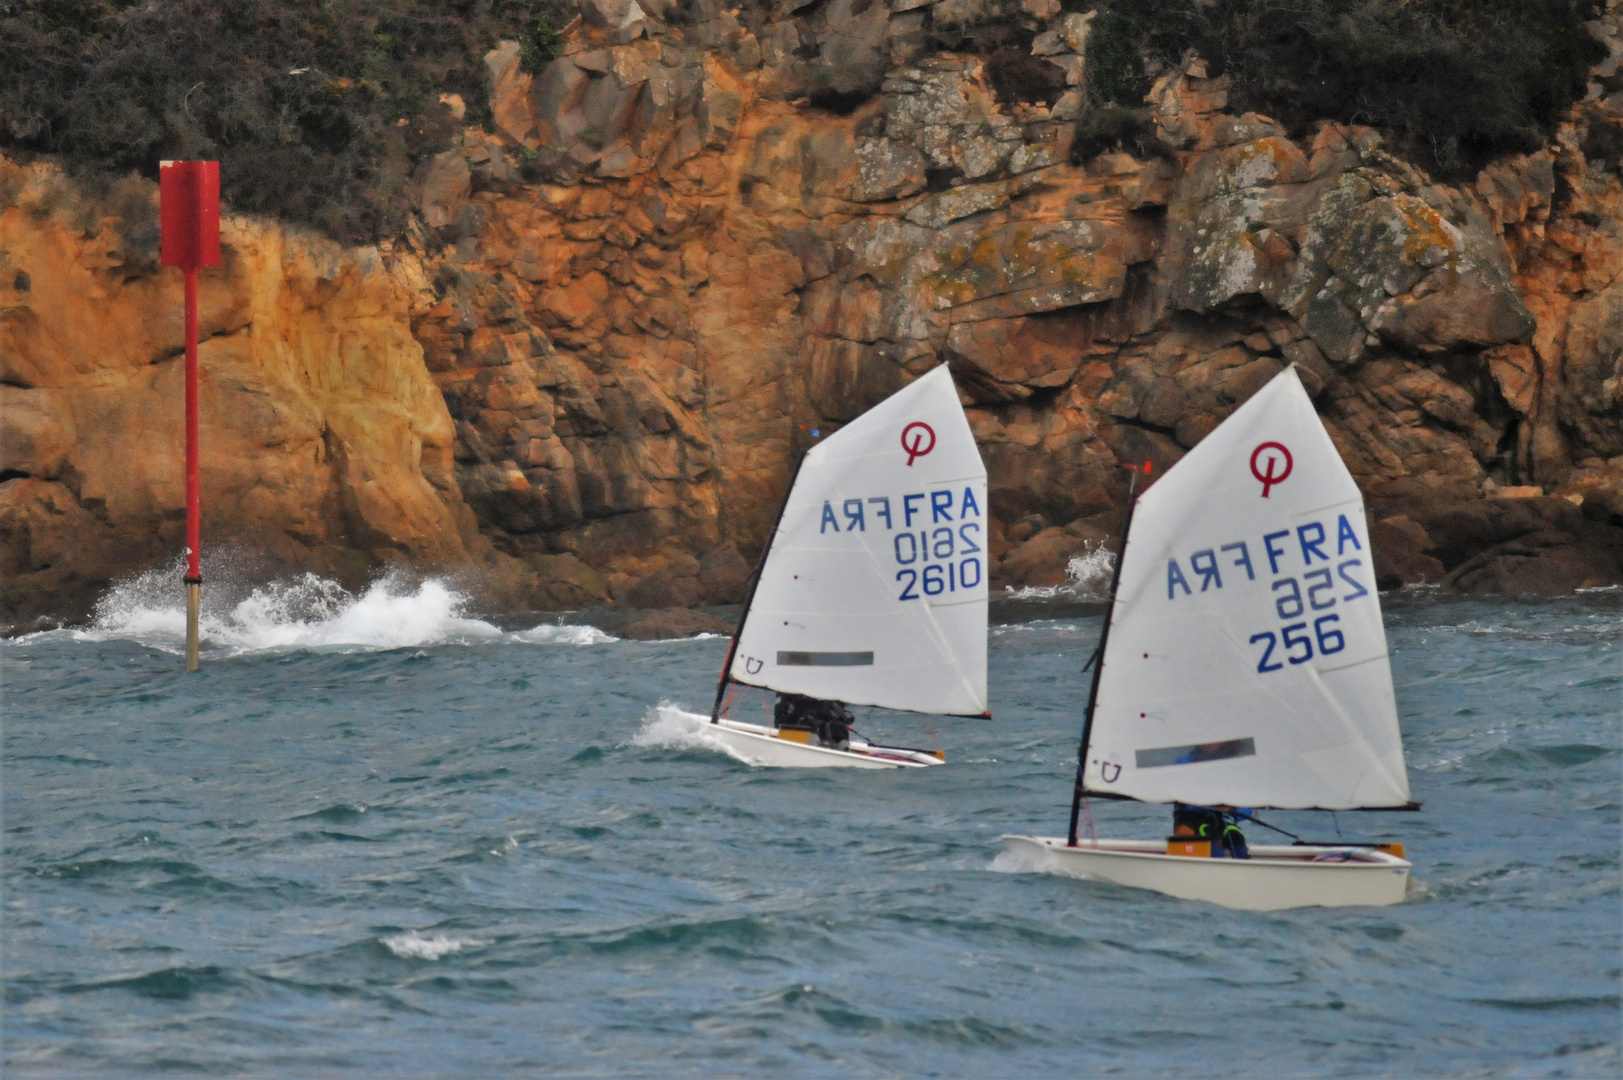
x=694, y=243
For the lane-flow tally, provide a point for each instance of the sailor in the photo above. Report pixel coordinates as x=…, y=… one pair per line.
x=830, y=721
x=1212, y=823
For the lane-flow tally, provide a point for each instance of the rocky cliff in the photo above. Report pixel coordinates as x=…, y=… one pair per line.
x=699, y=236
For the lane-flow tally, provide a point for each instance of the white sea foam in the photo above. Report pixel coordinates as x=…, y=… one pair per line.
x=1088, y=577
x=1023, y=859
x=672, y=727
x=415, y=945
x=307, y=612
x=563, y=634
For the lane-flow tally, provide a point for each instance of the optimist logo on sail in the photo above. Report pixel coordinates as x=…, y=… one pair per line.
x=913, y=440
x=1270, y=455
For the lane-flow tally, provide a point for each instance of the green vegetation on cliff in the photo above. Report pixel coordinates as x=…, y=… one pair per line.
x=1453, y=83
x=320, y=110
x=317, y=109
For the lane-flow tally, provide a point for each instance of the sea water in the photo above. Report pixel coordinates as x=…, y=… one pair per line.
x=379, y=835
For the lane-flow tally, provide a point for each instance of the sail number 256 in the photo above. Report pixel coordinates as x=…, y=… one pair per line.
x=1293, y=599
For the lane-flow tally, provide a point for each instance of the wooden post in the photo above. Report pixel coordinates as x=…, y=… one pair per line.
x=190, y=212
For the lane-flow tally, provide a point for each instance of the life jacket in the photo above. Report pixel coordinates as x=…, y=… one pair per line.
x=1228, y=842
x=1198, y=822
x=1234, y=842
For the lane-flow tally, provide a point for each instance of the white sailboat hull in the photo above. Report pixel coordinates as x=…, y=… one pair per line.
x=764, y=746
x=1274, y=878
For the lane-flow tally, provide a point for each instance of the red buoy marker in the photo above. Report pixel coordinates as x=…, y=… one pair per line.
x=189, y=198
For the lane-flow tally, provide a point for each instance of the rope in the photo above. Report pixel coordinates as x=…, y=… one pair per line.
x=934, y=738
x=1240, y=814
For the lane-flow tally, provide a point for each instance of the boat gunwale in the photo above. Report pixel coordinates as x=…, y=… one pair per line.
x=1269, y=855
x=756, y=731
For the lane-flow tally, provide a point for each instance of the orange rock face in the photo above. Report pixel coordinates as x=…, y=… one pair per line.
x=678, y=258
x=326, y=444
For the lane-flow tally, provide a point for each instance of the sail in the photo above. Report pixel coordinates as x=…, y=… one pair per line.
x=1246, y=663
x=874, y=587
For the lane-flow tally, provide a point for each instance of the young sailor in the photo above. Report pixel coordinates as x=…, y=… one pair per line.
x=830, y=721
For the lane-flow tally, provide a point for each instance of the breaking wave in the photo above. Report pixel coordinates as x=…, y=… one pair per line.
x=414, y=945
x=306, y=612
x=564, y=634
x=1087, y=577
x=671, y=727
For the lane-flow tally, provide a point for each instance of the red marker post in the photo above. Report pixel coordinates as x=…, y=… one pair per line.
x=189, y=196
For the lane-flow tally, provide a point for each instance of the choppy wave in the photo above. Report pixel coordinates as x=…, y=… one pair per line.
x=504, y=855
x=564, y=634
x=1579, y=620
x=1087, y=578
x=416, y=945
x=1024, y=859
x=306, y=612
x=672, y=727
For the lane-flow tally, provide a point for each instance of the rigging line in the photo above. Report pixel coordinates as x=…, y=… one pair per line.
x=760, y=566
x=1104, y=636
x=1265, y=825
x=934, y=738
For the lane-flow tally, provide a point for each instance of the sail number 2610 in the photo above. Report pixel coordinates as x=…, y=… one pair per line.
x=945, y=560
x=1295, y=641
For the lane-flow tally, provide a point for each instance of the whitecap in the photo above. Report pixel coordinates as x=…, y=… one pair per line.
x=306, y=612
x=671, y=727
x=564, y=634
x=1087, y=578
x=414, y=945
x=1023, y=859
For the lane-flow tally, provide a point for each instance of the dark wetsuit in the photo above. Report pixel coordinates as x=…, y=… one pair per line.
x=829, y=721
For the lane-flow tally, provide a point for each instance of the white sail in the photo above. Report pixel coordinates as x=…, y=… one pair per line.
x=1246, y=663
x=874, y=587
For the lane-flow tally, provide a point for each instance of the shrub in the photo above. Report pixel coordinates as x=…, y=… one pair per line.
x=1113, y=127
x=1115, y=61
x=540, y=41
x=1016, y=75
x=316, y=109
x=1453, y=83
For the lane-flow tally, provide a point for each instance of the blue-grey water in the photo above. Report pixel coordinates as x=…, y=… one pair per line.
x=377, y=838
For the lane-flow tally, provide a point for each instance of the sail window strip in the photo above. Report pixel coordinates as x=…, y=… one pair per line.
x=1191, y=755
x=825, y=659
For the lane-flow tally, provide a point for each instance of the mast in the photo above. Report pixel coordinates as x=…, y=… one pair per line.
x=1099, y=665
x=755, y=582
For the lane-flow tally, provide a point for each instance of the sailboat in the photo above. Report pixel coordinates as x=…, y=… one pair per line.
x=1243, y=664
x=872, y=589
